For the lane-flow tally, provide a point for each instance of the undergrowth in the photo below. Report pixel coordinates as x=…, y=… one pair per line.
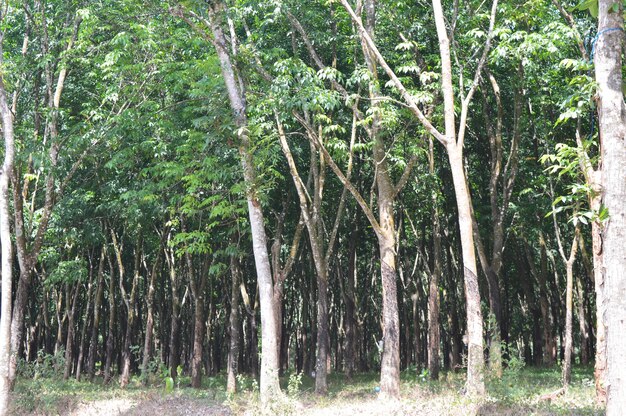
x=518, y=392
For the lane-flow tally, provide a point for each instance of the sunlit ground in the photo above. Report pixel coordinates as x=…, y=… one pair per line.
x=517, y=393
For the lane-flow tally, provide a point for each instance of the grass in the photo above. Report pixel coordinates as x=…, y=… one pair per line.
x=516, y=393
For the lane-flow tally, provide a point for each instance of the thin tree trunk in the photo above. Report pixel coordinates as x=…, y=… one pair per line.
x=129, y=301
x=198, y=285
x=269, y=385
x=600, y=366
x=569, y=296
x=584, y=326
x=111, y=331
x=6, y=243
x=233, y=320
x=174, y=341
x=433, y=287
x=147, y=342
x=93, y=343
x=70, y=307
x=350, y=304
x=549, y=346
x=85, y=325
x=475, y=359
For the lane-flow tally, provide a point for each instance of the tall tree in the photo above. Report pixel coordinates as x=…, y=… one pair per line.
x=5, y=235
x=269, y=386
x=612, y=117
x=453, y=143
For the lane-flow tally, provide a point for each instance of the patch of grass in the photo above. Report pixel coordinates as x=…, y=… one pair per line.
x=516, y=393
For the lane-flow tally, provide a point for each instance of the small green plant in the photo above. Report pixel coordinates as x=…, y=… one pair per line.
x=294, y=384
x=243, y=382
x=513, y=361
x=423, y=375
x=179, y=371
x=45, y=366
x=166, y=375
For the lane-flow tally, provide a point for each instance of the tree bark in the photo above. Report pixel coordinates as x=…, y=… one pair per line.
x=5, y=242
x=612, y=117
x=147, y=341
x=350, y=306
x=85, y=324
x=269, y=385
x=93, y=343
x=70, y=313
x=129, y=300
x=198, y=288
x=174, y=340
x=111, y=331
x=569, y=296
x=234, y=324
x=433, y=287
x=583, y=325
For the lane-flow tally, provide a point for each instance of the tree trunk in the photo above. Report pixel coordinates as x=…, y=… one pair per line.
x=93, y=343
x=349, y=302
x=612, y=115
x=433, y=287
x=269, y=385
x=129, y=301
x=199, y=322
x=600, y=366
x=174, y=341
x=475, y=359
x=569, y=296
x=584, y=326
x=111, y=331
x=147, y=341
x=70, y=313
x=5, y=242
x=322, y=351
x=233, y=321
x=85, y=325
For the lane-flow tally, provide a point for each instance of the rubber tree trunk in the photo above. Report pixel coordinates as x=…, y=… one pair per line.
x=569, y=306
x=85, y=325
x=198, y=337
x=269, y=385
x=93, y=343
x=475, y=358
x=147, y=341
x=111, y=330
x=349, y=320
x=433, y=287
x=234, y=325
x=174, y=340
x=70, y=313
x=612, y=117
x=386, y=235
x=598, y=277
x=583, y=325
x=5, y=242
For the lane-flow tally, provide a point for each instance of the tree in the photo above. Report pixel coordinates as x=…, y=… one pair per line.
x=236, y=94
x=453, y=144
x=5, y=237
x=612, y=126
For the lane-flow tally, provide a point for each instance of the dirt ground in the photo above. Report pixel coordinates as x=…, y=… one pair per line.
x=155, y=406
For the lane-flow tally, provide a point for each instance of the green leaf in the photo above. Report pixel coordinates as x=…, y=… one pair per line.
x=615, y=8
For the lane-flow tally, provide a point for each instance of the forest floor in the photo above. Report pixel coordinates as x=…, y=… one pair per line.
x=521, y=392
